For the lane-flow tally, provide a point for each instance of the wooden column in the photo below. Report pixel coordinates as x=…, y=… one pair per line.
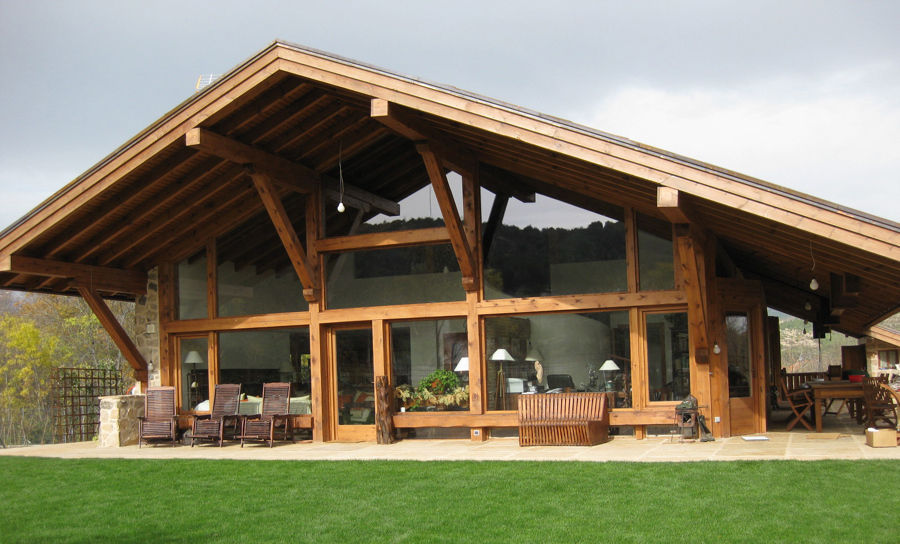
x=317, y=368
x=384, y=410
x=167, y=296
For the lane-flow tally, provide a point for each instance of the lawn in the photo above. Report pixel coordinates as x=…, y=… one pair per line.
x=90, y=500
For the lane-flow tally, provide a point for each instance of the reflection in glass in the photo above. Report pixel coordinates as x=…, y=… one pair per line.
x=429, y=364
x=355, y=376
x=193, y=355
x=739, y=376
x=563, y=352
x=655, y=257
x=405, y=275
x=549, y=247
x=191, y=278
x=668, y=356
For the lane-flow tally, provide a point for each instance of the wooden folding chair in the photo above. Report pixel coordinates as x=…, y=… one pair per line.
x=879, y=403
x=274, y=417
x=158, y=421
x=800, y=402
x=223, y=417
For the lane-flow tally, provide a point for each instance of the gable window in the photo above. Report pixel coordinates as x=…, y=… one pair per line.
x=655, y=255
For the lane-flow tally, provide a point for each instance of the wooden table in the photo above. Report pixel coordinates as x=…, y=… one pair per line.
x=837, y=389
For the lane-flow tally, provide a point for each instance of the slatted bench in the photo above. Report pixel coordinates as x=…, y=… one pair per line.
x=563, y=419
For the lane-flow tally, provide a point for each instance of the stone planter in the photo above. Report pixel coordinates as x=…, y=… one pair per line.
x=119, y=420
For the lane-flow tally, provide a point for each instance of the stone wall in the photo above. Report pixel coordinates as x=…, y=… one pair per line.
x=146, y=316
x=119, y=420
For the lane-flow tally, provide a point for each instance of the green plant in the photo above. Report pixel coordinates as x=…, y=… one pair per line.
x=439, y=382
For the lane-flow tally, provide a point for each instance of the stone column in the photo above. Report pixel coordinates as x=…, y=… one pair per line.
x=119, y=420
x=146, y=317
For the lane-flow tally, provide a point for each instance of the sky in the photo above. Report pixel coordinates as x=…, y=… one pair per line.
x=804, y=94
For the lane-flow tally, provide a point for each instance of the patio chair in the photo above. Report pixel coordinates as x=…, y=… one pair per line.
x=800, y=402
x=158, y=421
x=223, y=419
x=274, y=417
x=879, y=404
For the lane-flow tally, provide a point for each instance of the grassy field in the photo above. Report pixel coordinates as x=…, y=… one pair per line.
x=88, y=500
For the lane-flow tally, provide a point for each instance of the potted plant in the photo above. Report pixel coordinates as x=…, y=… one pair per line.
x=440, y=390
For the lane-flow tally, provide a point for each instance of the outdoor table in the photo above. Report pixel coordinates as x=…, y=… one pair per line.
x=836, y=389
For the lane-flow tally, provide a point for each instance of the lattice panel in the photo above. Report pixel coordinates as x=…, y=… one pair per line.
x=76, y=406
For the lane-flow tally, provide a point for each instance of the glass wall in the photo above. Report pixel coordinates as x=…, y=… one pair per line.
x=668, y=356
x=246, y=290
x=549, y=247
x=406, y=275
x=429, y=364
x=193, y=354
x=191, y=278
x=739, y=375
x=355, y=376
x=558, y=352
x=655, y=256
x=252, y=358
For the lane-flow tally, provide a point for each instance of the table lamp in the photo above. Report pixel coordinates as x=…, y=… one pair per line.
x=608, y=365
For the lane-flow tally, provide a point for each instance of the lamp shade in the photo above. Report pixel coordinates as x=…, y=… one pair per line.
x=609, y=364
x=462, y=365
x=193, y=358
x=501, y=355
x=534, y=354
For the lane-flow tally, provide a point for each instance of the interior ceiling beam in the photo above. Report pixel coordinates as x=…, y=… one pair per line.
x=113, y=280
x=404, y=123
x=458, y=239
x=284, y=172
x=282, y=221
x=498, y=181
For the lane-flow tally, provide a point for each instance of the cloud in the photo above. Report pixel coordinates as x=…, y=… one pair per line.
x=829, y=138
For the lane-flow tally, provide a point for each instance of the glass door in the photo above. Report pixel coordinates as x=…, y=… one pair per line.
x=353, y=386
x=744, y=374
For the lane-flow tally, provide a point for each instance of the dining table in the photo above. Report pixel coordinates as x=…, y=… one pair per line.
x=834, y=390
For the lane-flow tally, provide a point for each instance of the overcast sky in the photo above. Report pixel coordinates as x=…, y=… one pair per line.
x=802, y=94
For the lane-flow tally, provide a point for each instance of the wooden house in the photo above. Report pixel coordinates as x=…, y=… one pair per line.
x=268, y=230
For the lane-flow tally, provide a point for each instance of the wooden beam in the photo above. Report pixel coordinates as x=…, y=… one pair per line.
x=670, y=202
x=382, y=240
x=690, y=256
x=404, y=123
x=105, y=279
x=113, y=328
x=288, y=235
x=290, y=174
x=500, y=181
x=495, y=217
x=451, y=215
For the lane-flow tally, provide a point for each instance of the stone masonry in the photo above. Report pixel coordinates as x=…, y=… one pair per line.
x=119, y=420
x=146, y=316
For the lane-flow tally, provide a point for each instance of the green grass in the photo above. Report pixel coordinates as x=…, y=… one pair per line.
x=91, y=500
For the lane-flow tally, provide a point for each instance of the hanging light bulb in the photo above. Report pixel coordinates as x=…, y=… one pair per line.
x=716, y=349
x=807, y=306
x=813, y=284
x=340, y=206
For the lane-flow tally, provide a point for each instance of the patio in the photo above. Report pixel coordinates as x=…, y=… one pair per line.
x=841, y=438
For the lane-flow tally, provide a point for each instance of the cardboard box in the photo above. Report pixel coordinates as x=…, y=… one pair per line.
x=881, y=438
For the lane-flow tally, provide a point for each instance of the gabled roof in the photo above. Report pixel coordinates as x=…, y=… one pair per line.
x=158, y=198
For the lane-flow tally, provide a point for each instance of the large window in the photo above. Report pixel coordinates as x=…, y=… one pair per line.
x=246, y=290
x=739, y=364
x=558, y=352
x=191, y=278
x=668, y=356
x=429, y=364
x=549, y=247
x=193, y=354
x=655, y=257
x=405, y=275
x=252, y=358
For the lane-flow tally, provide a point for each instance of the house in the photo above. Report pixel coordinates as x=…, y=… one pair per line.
x=274, y=227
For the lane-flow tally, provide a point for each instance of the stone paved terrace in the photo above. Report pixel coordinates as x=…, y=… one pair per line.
x=841, y=439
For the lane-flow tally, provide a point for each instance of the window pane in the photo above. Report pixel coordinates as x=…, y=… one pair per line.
x=247, y=290
x=549, y=247
x=356, y=376
x=252, y=358
x=382, y=277
x=194, y=373
x=668, y=358
x=577, y=352
x=191, y=274
x=739, y=376
x=428, y=365
x=655, y=257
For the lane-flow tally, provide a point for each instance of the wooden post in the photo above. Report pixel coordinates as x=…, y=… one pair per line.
x=384, y=410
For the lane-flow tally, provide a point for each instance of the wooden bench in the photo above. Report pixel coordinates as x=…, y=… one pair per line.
x=563, y=419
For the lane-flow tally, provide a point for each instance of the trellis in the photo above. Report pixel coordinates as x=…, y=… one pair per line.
x=76, y=408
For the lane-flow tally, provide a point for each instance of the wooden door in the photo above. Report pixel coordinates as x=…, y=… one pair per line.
x=352, y=387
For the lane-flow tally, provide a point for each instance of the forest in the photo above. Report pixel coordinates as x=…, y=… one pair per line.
x=39, y=333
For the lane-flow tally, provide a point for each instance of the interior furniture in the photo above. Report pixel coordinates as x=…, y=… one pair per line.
x=223, y=418
x=274, y=418
x=830, y=390
x=800, y=402
x=879, y=404
x=560, y=381
x=895, y=395
x=158, y=421
x=563, y=419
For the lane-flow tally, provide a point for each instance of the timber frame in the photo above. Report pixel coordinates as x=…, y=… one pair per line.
x=270, y=145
